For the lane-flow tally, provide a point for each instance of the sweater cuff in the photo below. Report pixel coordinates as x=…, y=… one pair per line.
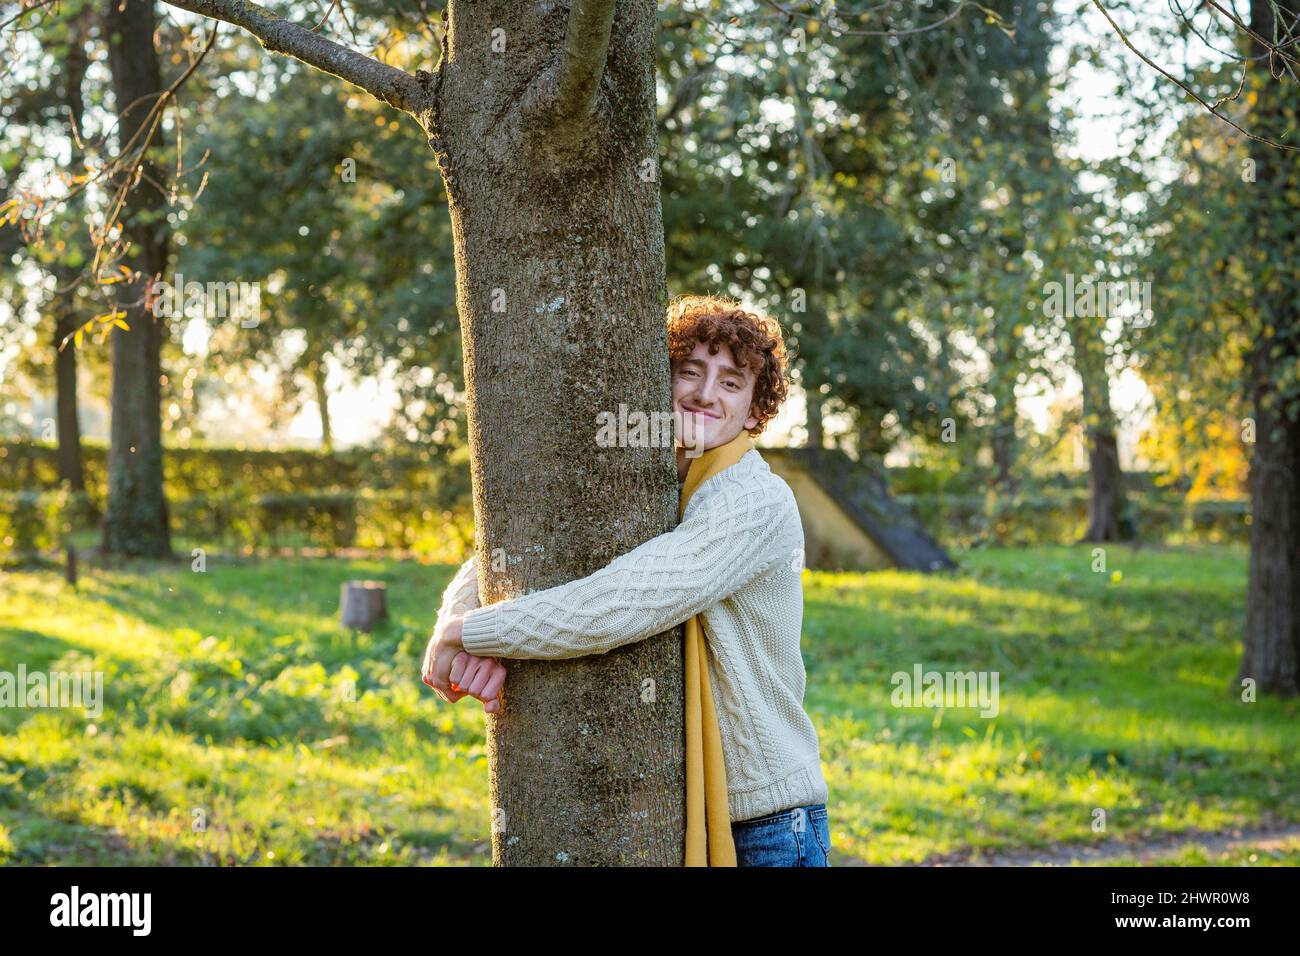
x=478, y=633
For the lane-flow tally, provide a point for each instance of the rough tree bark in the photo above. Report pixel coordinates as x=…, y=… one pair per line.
x=67, y=425
x=318, y=374
x=816, y=423
x=1106, y=498
x=542, y=121
x=548, y=152
x=1271, y=643
x=1004, y=361
x=135, y=520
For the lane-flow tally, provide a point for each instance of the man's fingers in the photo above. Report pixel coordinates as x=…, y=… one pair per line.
x=471, y=669
x=466, y=675
x=478, y=680
x=461, y=667
x=442, y=663
x=433, y=663
x=496, y=678
x=426, y=666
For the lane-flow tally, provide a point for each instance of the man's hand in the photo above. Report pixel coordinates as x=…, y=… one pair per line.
x=453, y=672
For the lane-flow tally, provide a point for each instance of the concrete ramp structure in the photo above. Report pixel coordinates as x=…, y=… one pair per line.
x=850, y=521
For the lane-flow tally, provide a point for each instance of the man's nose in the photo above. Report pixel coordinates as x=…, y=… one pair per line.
x=706, y=391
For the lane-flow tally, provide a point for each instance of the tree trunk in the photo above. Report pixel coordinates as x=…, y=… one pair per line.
x=1002, y=389
x=67, y=425
x=1105, y=489
x=71, y=472
x=1106, y=498
x=135, y=522
x=318, y=374
x=1271, y=643
x=816, y=428
x=362, y=604
x=561, y=292
x=1003, y=445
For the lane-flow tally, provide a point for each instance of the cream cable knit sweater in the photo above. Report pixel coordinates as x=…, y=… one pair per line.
x=736, y=558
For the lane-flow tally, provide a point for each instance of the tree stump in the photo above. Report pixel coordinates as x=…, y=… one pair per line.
x=362, y=604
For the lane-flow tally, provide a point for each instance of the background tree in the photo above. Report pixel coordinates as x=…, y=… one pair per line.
x=1271, y=653
x=1232, y=215
x=135, y=517
x=36, y=119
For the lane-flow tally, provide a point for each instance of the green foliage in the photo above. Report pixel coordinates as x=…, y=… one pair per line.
x=354, y=256
x=196, y=472
x=395, y=520
x=33, y=524
x=964, y=520
x=331, y=519
x=416, y=500
x=884, y=193
x=25, y=524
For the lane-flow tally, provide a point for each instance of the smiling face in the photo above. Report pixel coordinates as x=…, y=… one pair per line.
x=713, y=396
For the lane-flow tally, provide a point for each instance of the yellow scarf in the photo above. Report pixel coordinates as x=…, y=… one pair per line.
x=708, y=819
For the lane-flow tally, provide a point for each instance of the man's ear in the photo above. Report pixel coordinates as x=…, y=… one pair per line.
x=752, y=421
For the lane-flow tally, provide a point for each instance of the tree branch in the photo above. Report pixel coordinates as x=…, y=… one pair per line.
x=395, y=87
x=586, y=44
x=1213, y=108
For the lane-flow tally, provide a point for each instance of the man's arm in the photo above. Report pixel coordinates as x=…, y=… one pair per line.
x=725, y=542
x=480, y=678
x=461, y=595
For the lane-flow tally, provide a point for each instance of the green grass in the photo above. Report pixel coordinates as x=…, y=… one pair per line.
x=230, y=694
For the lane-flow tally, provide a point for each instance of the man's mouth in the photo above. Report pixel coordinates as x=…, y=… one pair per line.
x=699, y=411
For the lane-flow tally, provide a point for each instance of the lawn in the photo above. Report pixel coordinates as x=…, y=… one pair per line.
x=242, y=725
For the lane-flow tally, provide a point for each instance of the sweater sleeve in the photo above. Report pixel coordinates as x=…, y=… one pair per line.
x=726, y=540
x=461, y=595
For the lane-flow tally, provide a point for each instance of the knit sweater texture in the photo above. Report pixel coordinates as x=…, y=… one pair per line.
x=736, y=559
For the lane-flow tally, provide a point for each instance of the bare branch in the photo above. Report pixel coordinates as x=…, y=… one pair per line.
x=839, y=31
x=395, y=87
x=24, y=11
x=1213, y=109
x=687, y=92
x=586, y=44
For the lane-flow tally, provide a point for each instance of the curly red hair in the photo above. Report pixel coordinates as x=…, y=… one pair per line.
x=755, y=341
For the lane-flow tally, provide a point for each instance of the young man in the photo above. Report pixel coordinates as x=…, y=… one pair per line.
x=735, y=560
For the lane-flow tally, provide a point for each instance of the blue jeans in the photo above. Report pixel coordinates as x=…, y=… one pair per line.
x=797, y=837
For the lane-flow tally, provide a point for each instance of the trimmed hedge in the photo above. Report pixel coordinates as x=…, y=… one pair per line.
x=32, y=523
x=204, y=472
x=190, y=472
x=964, y=521
x=971, y=480
x=244, y=499
x=251, y=500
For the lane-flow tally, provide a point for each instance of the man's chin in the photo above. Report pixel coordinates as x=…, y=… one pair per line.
x=699, y=440
x=690, y=432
